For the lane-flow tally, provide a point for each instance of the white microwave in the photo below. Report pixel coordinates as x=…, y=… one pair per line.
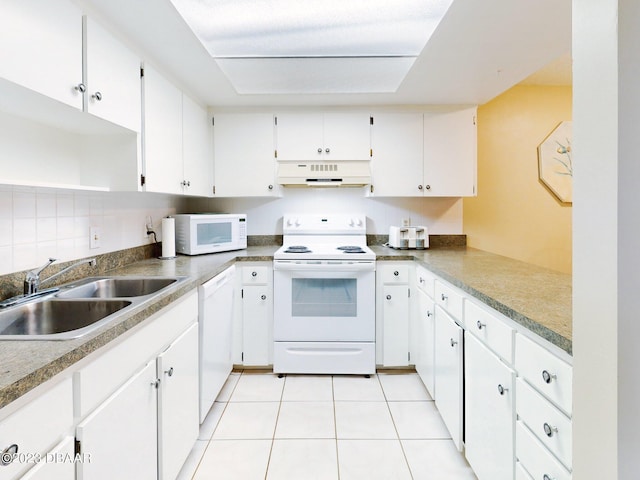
x=198, y=233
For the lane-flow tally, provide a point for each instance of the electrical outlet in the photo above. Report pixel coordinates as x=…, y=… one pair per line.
x=95, y=237
x=406, y=222
x=149, y=224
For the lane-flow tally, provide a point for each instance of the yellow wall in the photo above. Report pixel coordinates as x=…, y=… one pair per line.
x=514, y=214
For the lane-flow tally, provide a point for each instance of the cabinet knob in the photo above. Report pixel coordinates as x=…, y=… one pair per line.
x=549, y=430
x=263, y=297
x=319, y=150
x=547, y=477
x=97, y=96
x=429, y=313
x=388, y=297
x=480, y=325
x=185, y=183
x=419, y=187
x=428, y=187
x=443, y=297
x=501, y=389
x=396, y=273
x=156, y=384
x=169, y=372
x=453, y=342
x=8, y=454
x=326, y=150
x=81, y=87
x=270, y=187
x=547, y=377
x=421, y=280
x=254, y=274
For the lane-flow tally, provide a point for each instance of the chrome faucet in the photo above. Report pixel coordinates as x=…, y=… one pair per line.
x=32, y=281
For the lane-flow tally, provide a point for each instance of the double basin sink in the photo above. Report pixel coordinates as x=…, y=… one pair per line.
x=79, y=308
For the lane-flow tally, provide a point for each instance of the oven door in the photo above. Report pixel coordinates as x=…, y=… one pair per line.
x=326, y=302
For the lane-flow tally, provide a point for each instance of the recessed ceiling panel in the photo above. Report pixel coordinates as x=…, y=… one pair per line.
x=316, y=75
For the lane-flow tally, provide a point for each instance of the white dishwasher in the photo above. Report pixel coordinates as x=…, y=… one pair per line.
x=215, y=319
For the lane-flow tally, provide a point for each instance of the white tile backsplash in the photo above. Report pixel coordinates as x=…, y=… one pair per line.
x=36, y=224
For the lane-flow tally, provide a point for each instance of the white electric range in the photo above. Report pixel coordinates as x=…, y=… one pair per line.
x=324, y=296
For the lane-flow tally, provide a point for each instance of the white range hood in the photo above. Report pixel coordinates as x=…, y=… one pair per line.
x=324, y=174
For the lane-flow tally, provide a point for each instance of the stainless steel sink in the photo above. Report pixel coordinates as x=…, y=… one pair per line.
x=117, y=287
x=78, y=308
x=52, y=319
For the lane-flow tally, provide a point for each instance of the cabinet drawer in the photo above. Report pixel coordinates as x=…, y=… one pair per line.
x=37, y=427
x=496, y=334
x=535, y=459
x=449, y=299
x=547, y=373
x=255, y=275
x=425, y=281
x=547, y=423
x=394, y=273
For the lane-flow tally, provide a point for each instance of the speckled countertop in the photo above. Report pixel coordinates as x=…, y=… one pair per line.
x=537, y=298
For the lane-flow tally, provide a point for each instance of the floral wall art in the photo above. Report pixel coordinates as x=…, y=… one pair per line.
x=555, y=162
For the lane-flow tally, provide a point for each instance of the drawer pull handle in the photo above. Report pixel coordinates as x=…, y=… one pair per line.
x=453, y=342
x=421, y=280
x=263, y=297
x=8, y=454
x=254, y=274
x=429, y=313
x=388, y=297
x=549, y=430
x=156, y=383
x=547, y=377
x=396, y=273
x=480, y=325
x=169, y=372
x=547, y=477
x=443, y=297
x=501, y=389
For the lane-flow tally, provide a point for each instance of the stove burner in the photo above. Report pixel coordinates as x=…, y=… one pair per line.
x=351, y=249
x=297, y=249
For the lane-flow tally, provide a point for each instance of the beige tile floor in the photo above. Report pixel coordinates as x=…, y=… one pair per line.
x=324, y=427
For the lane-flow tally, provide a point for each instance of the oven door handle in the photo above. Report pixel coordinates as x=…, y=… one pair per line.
x=325, y=266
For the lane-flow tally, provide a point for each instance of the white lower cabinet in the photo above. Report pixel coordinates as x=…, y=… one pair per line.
x=425, y=341
x=178, y=403
x=489, y=412
x=392, y=314
x=256, y=315
x=121, y=435
x=449, y=374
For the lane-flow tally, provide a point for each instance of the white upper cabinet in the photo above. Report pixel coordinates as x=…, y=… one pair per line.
x=162, y=134
x=450, y=153
x=197, y=151
x=323, y=136
x=112, y=78
x=397, y=165
x=424, y=155
x=177, y=140
x=244, y=168
x=42, y=47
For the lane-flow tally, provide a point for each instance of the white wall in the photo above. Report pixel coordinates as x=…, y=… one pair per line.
x=264, y=215
x=36, y=224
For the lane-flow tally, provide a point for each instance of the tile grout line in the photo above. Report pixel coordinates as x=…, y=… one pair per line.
x=335, y=424
x=275, y=427
x=404, y=454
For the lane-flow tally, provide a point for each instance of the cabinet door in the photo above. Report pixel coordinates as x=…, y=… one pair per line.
x=178, y=413
x=234, y=154
x=257, y=331
x=450, y=153
x=162, y=134
x=347, y=136
x=395, y=335
x=299, y=136
x=425, y=358
x=121, y=434
x=489, y=412
x=197, y=155
x=449, y=374
x=397, y=164
x=112, y=79
x=42, y=47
